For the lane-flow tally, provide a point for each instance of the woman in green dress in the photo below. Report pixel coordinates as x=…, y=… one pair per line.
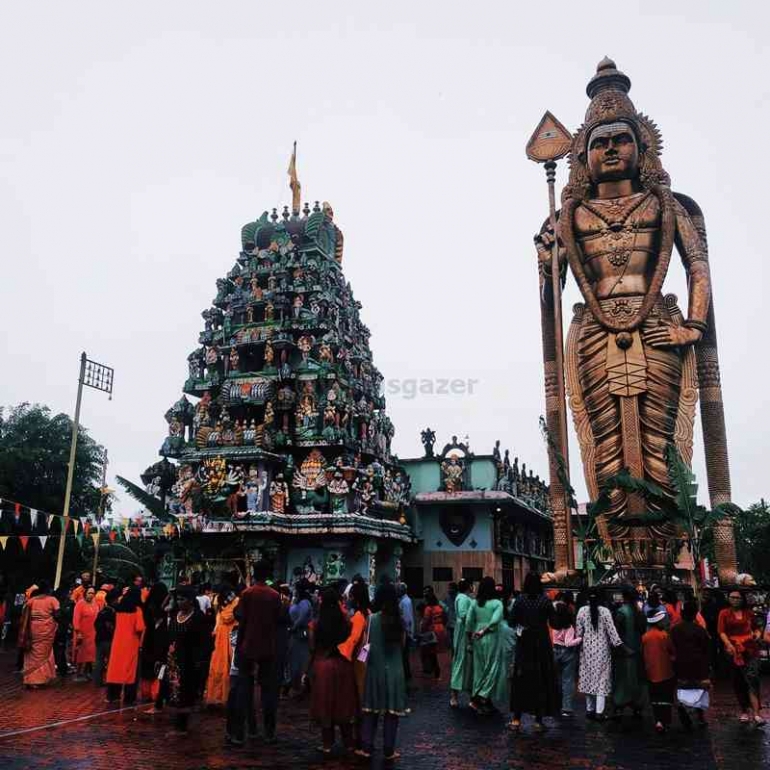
x=385, y=689
x=628, y=686
x=483, y=626
x=461, y=662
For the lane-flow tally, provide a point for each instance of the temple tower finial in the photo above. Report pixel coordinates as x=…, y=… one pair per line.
x=296, y=187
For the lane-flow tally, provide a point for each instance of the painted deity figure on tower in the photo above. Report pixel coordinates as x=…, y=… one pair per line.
x=633, y=360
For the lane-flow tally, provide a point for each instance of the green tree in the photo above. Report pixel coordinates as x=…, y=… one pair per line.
x=34, y=455
x=752, y=540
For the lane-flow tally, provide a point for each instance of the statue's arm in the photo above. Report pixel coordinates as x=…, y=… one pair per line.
x=694, y=256
x=544, y=245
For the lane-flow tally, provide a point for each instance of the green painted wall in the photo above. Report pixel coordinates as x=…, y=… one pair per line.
x=425, y=475
x=483, y=473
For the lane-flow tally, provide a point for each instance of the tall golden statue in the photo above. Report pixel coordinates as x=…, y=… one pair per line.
x=634, y=365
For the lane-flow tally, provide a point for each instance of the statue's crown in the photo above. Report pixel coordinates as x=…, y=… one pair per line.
x=608, y=90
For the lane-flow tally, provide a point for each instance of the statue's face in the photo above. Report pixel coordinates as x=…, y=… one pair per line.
x=613, y=153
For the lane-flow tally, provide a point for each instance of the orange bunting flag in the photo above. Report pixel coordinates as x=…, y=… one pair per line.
x=113, y=535
x=87, y=527
x=23, y=539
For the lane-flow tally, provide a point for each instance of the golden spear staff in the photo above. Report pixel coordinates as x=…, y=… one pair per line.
x=550, y=142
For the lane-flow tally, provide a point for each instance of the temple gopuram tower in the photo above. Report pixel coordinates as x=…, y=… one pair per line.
x=284, y=451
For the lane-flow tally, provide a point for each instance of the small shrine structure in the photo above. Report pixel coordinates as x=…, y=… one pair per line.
x=475, y=515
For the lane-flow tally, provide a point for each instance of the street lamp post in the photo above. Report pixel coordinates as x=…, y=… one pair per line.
x=95, y=376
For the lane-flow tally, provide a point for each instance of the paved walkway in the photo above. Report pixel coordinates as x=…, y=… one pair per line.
x=432, y=738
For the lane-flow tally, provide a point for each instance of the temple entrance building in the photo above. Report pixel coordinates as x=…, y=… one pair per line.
x=475, y=515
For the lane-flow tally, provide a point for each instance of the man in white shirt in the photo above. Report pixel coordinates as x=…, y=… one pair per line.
x=406, y=609
x=204, y=600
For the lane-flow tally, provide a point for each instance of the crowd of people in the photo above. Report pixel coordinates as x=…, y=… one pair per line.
x=530, y=652
x=346, y=649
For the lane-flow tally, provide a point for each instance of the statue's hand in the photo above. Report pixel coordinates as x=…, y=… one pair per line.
x=667, y=335
x=544, y=245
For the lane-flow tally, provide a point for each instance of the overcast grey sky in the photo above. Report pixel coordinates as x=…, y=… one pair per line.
x=136, y=140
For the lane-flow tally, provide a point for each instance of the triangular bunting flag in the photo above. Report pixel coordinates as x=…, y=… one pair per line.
x=126, y=534
x=95, y=538
x=43, y=540
x=17, y=510
x=23, y=539
x=33, y=517
x=75, y=525
x=113, y=535
x=79, y=538
x=87, y=527
x=49, y=519
x=3, y=541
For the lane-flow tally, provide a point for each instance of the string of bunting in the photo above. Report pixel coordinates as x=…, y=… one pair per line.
x=81, y=529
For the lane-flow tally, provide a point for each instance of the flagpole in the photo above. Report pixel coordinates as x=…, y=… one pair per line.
x=70, y=473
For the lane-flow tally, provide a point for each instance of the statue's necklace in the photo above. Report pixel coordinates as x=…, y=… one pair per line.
x=618, y=213
x=622, y=237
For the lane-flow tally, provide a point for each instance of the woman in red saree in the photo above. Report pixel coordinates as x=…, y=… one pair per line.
x=124, y=654
x=39, y=629
x=84, y=640
x=741, y=642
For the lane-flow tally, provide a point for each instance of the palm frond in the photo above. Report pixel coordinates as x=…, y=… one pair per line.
x=150, y=502
x=683, y=481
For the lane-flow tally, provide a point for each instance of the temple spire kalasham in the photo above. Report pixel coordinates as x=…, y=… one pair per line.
x=296, y=187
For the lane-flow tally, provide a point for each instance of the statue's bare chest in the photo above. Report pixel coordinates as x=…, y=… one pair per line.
x=619, y=234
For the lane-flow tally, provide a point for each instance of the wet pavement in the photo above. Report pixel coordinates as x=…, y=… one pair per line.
x=433, y=737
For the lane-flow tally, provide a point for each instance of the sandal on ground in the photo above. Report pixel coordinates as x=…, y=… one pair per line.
x=363, y=754
x=392, y=757
x=744, y=718
x=514, y=725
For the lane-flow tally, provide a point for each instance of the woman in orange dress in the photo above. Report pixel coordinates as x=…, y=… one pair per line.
x=124, y=654
x=351, y=647
x=39, y=632
x=433, y=636
x=84, y=641
x=218, y=684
